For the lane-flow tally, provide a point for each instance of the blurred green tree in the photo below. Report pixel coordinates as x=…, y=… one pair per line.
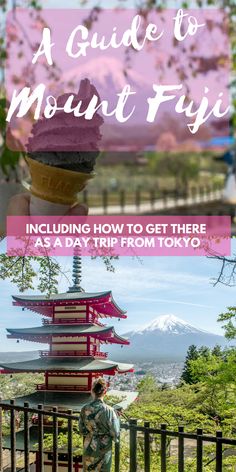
x=230, y=326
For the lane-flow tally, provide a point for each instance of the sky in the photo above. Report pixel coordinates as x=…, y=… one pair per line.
x=156, y=286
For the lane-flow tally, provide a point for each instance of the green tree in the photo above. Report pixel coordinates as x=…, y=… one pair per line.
x=217, y=351
x=41, y=273
x=16, y=385
x=147, y=385
x=230, y=326
x=216, y=375
x=183, y=168
x=204, y=352
x=192, y=355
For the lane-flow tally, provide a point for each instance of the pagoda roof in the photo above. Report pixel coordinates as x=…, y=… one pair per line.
x=43, y=333
x=77, y=364
x=103, y=302
x=62, y=296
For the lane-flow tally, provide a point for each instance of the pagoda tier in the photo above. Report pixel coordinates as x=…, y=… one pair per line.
x=64, y=365
x=69, y=334
x=93, y=305
x=68, y=374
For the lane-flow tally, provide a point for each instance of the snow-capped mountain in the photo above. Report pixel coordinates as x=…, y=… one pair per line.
x=166, y=338
x=108, y=74
x=169, y=324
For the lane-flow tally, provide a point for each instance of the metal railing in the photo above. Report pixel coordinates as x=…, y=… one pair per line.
x=62, y=388
x=40, y=418
x=68, y=321
x=153, y=200
x=92, y=352
x=199, y=438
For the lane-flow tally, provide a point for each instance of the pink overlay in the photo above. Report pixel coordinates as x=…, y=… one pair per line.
x=119, y=235
x=198, y=66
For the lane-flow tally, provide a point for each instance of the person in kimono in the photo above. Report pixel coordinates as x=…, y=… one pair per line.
x=99, y=426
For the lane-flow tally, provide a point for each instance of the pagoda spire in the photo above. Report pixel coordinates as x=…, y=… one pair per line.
x=76, y=273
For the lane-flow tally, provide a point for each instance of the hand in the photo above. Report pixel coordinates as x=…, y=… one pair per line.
x=19, y=205
x=119, y=412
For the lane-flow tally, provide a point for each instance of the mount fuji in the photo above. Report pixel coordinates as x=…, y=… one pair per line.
x=165, y=338
x=109, y=74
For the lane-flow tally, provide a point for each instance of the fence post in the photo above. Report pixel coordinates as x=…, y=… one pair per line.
x=164, y=198
x=232, y=214
x=219, y=191
x=201, y=194
x=133, y=445
x=191, y=195
x=146, y=447
x=197, y=195
x=181, y=449
x=13, y=437
x=219, y=451
x=138, y=198
x=163, y=448
x=40, y=439
x=194, y=195
x=187, y=196
x=212, y=192
x=117, y=456
x=199, y=449
x=26, y=437
x=70, y=442
x=105, y=200
x=176, y=196
x=122, y=200
x=152, y=198
x=55, y=441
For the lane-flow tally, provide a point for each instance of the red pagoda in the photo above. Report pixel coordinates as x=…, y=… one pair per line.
x=72, y=326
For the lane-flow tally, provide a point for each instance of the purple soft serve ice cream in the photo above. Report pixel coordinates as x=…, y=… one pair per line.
x=67, y=141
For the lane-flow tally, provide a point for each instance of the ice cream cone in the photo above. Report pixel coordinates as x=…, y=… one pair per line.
x=54, y=184
x=61, y=155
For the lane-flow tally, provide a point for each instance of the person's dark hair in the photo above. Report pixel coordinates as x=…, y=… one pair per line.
x=99, y=387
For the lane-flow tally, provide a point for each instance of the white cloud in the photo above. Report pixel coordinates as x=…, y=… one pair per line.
x=170, y=300
x=141, y=280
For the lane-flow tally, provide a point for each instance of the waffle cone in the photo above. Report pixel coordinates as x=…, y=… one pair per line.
x=55, y=184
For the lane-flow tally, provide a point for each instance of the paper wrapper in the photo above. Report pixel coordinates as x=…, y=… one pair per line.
x=58, y=186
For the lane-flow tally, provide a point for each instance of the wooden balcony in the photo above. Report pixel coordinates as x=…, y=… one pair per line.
x=63, y=321
x=67, y=321
x=100, y=355
x=92, y=353
x=62, y=388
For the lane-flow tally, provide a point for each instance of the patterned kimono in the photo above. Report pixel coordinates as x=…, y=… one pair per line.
x=99, y=425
